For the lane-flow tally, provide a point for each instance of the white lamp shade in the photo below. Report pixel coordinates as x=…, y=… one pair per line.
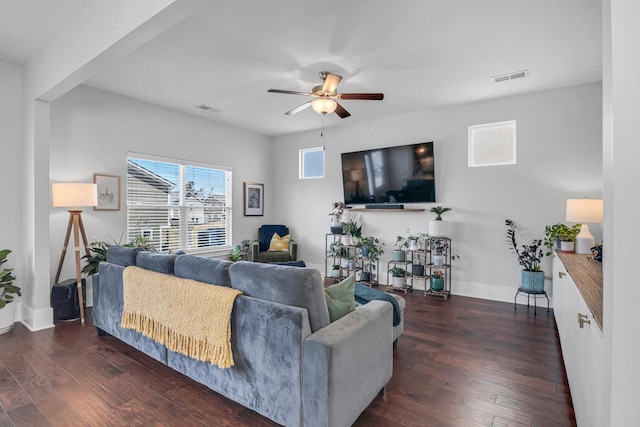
x=584, y=211
x=324, y=105
x=74, y=194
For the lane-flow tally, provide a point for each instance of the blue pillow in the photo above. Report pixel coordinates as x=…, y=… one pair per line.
x=299, y=263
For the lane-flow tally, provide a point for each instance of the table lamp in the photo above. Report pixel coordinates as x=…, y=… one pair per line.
x=74, y=195
x=584, y=211
x=357, y=175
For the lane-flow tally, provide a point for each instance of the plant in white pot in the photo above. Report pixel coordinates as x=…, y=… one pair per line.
x=336, y=217
x=438, y=227
x=529, y=257
x=7, y=292
x=398, y=277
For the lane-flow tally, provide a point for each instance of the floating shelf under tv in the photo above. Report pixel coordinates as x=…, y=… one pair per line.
x=387, y=210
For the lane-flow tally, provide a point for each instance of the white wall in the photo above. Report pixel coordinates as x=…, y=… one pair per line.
x=559, y=153
x=92, y=131
x=11, y=154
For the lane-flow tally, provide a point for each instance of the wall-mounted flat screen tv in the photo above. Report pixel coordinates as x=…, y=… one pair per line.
x=402, y=174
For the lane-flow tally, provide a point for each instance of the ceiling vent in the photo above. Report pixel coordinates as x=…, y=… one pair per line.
x=208, y=109
x=510, y=76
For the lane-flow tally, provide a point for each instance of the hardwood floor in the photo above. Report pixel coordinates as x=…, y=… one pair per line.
x=460, y=362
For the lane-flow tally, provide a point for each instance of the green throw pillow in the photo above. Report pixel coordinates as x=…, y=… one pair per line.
x=341, y=298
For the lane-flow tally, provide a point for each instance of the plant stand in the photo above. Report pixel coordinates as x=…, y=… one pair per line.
x=444, y=264
x=353, y=254
x=529, y=293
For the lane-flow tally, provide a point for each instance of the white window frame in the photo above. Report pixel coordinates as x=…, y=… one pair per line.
x=184, y=208
x=499, y=127
x=303, y=151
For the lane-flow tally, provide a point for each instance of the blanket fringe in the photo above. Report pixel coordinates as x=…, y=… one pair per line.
x=201, y=350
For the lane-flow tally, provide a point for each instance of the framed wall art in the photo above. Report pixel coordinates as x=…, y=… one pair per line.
x=253, y=199
x=108, y=192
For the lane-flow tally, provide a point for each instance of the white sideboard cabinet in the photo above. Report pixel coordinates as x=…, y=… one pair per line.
x=582, y=343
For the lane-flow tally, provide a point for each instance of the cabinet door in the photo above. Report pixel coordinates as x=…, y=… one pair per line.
x=559, y=295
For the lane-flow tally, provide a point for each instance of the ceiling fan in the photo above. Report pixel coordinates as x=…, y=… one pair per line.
x=326, y=96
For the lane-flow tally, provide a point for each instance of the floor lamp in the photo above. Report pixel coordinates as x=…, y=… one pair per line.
x=74, y=195
x=584, y=211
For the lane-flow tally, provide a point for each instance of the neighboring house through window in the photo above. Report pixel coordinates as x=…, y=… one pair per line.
x=178, y=205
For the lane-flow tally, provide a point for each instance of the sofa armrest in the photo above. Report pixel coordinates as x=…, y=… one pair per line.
x=293, y=250
x=255, y=249
x=346, y=364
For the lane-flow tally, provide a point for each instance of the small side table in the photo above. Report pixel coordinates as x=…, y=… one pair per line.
x=529, y=293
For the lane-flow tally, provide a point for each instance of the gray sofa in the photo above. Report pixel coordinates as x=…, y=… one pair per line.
x=291, y=364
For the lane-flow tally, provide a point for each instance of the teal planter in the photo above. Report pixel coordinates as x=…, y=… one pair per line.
x=532, y=281
x=398, y=255
x=437, y=284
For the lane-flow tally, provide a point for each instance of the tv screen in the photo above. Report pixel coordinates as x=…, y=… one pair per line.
x=402, y=174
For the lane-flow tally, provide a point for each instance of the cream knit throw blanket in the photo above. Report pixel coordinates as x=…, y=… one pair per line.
x=189, y=317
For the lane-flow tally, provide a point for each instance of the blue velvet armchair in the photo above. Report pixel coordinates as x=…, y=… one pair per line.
x=260, y=248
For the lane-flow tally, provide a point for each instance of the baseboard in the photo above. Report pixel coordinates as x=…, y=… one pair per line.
x=35, y=320
x=490, y=292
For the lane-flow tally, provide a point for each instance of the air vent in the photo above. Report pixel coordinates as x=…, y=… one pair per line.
x=208, y=109
x=511, y=76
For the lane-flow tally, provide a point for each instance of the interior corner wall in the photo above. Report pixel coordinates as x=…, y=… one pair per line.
x=559, y=156
x=11, y=143
x=92, y=131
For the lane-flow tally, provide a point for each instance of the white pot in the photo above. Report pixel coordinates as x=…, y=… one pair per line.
x=414, y=245
x=438, y=228
x=6, y=318
x=335, y=273
x=399, y=282
x=438, y=259
x=567, y=246
x=346, y=239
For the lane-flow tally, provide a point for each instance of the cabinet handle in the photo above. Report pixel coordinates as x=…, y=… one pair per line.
x=561, y=274
x=582, y=319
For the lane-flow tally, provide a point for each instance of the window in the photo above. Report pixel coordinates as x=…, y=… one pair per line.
x=176, y=204
x=492, y=144
x=312, y=163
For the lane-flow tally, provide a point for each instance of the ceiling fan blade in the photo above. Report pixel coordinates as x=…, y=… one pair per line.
x=341, y=111
x=298, y=108
x=366, y=96
x=289, y=92
x=331, y=83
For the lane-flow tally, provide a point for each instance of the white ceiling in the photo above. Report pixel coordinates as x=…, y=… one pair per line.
x=420, y=53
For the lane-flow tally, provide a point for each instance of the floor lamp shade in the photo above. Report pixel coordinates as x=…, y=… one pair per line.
x=584, y=211
x=74, y=194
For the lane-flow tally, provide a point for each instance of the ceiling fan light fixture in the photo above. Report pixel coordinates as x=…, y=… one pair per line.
x=324, y=105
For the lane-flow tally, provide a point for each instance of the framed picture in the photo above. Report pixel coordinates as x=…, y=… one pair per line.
x=253, y=199
x=108, y=192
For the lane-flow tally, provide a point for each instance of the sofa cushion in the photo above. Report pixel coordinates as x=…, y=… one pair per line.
x=279, y=243
x=159, y=263
x=266, y=232
x=208, y=270
x=299, y=263
x=300, y=287
x=122, y=255
x=341, y=298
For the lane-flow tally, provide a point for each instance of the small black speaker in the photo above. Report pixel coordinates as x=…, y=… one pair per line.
x=64, y=299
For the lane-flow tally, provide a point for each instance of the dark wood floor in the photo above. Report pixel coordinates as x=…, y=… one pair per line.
x=460, y=362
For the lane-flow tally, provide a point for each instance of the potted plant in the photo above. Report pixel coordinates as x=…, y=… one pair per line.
x=437, y=280
x=418, y=263
x=438, y=227
x=529, y=257
x=246, y=245
x=371, y=248
x=352, y=230
x=398, y=277
x=401, y=245
x=336, y=217
x=7, y=292
x=98, y=252
x=562, y=236
x=235, y=256
x=335, y=271
x=438, y=248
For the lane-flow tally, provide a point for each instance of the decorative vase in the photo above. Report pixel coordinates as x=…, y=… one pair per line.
x=438, y=228
x=6, y=318
x=437, y=284
x=417, y=270
x=398, y=255
x=567, y=246
x=532, y=281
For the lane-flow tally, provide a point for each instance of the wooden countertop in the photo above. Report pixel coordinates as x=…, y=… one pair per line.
x=587, y=275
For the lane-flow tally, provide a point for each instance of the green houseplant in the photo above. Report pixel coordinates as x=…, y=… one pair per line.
x=438, y=227
x=398, y=277
x=529, y=257
x=436, y=281
x=559, y=233
x=98, y=252
x=337, y=210
x=7, y=292
x=371, y=248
